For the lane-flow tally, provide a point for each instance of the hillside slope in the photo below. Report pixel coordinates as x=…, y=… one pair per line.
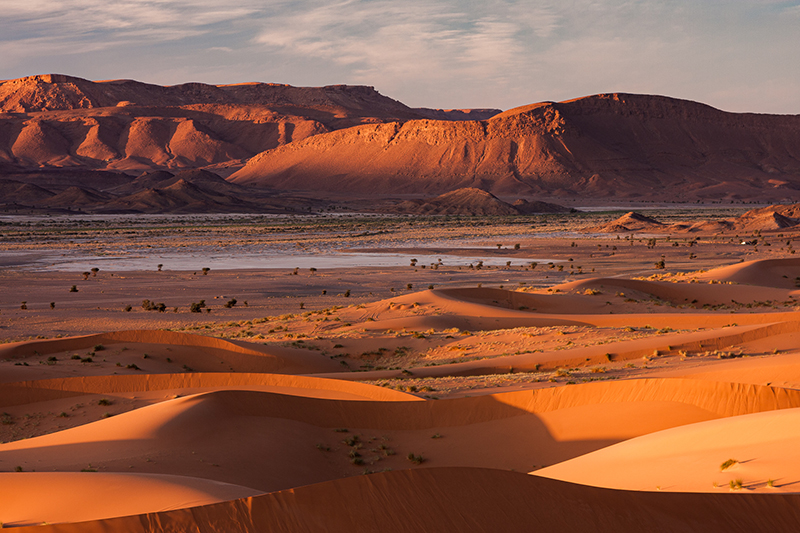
x=63, y=121
x=609, y=145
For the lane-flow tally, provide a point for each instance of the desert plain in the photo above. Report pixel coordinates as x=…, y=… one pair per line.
x=259, y=307
x=537, y=371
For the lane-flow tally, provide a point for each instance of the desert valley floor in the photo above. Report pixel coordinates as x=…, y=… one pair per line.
x=394, y=373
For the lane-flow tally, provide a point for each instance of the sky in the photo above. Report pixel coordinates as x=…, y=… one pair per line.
x=735, y=55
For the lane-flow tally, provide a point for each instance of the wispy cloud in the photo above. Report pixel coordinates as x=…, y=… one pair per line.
x=391, y=41
x=111, y=23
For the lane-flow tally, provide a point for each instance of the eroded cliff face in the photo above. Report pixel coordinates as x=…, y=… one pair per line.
x=57, y=92
x=55, y=120
x=620, y=145
x=352, y=141
x=144, y=138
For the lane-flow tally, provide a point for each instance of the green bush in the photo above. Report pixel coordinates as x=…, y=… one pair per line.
x=416, y=459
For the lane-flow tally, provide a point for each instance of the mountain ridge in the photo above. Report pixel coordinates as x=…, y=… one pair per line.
x=609, y=145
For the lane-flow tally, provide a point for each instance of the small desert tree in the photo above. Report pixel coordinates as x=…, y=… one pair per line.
x=86, y=275
x=159, y=267
x=205, y=271
x=95, y=270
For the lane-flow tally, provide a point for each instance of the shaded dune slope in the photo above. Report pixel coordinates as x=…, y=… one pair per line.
x=280, y=433
x=464, y=499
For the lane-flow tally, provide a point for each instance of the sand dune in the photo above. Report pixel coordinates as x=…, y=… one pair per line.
x=464, y=499
x=30, y=499
x=202, y=352
x=629, y=222
x=28, y=392
x=619, y=396
x=780, y=273
x=697, y=294
x=689, y=458
x=282, y=434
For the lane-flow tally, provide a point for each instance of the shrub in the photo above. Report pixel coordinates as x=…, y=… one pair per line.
x=352, y=441
x=416, y=459
x=52, y=305
x=99, y=347
x=147, y=305
x=103, y=401
x=347, y=293
x=230, y=303
x=74, y=288
x=206, y=270
x=197, y=307
x=95, y=270
x=727, y=464
x=385, y=450
x=24, y=305
x=128, y=308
